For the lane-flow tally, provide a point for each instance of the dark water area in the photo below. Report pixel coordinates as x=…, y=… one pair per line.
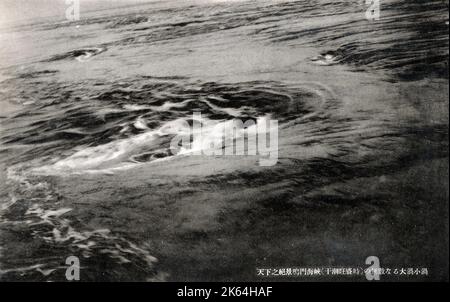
x=89, y=109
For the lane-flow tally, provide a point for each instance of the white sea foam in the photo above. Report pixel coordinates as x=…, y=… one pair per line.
x=89, y=53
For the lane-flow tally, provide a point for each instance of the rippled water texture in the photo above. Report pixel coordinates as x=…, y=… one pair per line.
x=89, y=109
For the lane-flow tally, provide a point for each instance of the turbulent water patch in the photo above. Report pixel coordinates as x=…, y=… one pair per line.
x=81, y=55
x=36, y=217
x=128, y=20
x=132, y=122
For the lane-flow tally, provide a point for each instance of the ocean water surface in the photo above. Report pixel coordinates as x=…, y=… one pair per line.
x=88, y=109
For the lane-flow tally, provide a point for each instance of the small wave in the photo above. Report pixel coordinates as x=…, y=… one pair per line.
x=36, y=74
x=81, y=55
x=128, y=20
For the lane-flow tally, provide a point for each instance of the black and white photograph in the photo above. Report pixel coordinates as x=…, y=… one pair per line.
x=262, y=141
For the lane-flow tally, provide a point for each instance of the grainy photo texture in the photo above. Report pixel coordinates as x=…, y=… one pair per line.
x=224, y=140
